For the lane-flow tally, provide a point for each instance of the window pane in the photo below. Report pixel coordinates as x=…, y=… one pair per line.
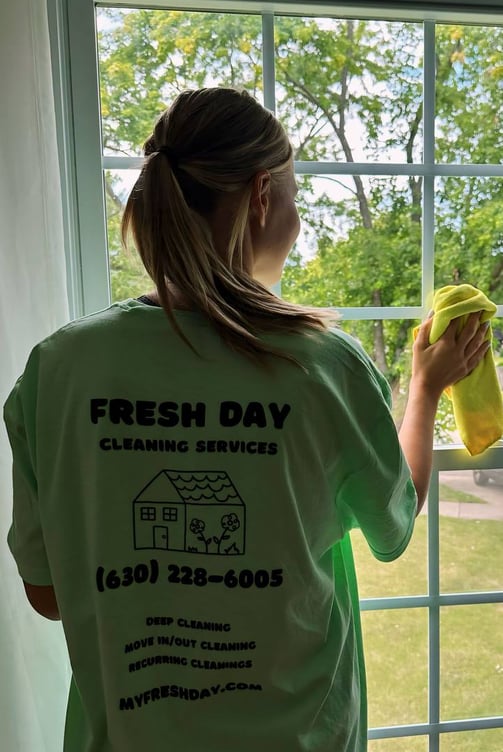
x=409, y=743
x=488, y=740
x=469, y=79
x=405, y=576
x=360, y=244
x=350, y=90
x=471, y=661
x=396, y=653
x=469, y=233
x=146, y=57
x=471, y=530
x=128, y=278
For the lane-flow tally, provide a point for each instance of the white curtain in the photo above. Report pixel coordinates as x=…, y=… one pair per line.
x=34, y=672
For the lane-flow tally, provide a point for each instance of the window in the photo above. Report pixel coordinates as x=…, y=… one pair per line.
x=170, y=514
x=148, y=513
x=399, y=155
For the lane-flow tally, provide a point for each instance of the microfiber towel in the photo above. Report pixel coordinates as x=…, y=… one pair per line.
x=476, y=399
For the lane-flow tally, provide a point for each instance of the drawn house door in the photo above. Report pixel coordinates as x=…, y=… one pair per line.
x=160, y=536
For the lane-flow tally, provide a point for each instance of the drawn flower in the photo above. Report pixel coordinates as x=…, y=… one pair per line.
x=230, y=522
x=197, y=526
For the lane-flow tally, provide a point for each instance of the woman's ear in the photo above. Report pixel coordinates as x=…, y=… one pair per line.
x=260, y=196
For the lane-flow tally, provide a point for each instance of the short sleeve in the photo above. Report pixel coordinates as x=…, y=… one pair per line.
x=378, y=494
x=25, y=537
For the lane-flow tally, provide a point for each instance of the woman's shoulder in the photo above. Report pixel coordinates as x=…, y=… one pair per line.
x=332, y=347
x=80, y=336
x=97, y=323
x=338, y=360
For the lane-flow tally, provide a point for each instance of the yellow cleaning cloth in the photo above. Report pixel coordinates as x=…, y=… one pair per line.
x=476, y=399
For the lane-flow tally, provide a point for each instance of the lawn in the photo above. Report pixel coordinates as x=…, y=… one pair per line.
x=396, y=641
x=447, y=493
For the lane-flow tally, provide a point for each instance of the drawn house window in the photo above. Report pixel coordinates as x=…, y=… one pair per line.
x=147, y=513
x=170, y=514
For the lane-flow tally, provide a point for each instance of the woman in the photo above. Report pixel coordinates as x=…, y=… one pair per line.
x=185, y=485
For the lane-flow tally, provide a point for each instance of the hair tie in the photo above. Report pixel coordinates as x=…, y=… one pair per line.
x=171, y=155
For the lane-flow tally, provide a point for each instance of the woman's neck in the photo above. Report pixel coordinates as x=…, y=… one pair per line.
x=177, y=298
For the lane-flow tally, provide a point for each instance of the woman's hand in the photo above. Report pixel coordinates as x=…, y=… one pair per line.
x=452, y=357
x=435, y=367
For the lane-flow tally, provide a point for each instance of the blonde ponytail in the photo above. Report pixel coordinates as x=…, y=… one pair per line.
x=208, y=143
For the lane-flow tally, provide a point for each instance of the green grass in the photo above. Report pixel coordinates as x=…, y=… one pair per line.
x=410, y=744
x=396, y=641
x=446, y=493
x=490, y=740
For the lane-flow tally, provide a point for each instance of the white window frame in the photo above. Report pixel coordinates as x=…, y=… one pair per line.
x=74, y=58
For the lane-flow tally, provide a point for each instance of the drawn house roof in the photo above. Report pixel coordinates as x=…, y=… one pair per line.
x=194, y=487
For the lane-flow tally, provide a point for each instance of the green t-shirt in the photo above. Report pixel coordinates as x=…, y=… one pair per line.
x=192, y=513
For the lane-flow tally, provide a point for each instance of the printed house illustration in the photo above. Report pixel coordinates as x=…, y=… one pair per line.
x=194, y=511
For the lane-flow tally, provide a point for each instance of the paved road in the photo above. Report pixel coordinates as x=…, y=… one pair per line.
x=462, y=480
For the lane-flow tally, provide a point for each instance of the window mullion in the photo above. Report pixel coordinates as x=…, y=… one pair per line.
x=433, y=614
x=428, y=239
x=428, y=255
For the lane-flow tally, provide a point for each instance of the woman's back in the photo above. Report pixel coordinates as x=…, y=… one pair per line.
x=193, y=510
